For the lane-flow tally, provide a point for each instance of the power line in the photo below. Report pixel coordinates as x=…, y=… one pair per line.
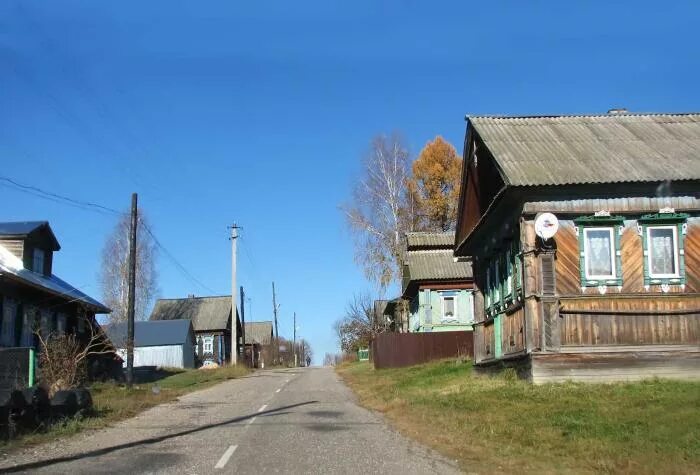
x=172, y=259
x=90, y=206
x=38, y=192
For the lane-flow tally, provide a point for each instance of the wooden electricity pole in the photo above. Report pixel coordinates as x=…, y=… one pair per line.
x=277, y=335
x=131, y=293
x=234, y=328
x=243, y=324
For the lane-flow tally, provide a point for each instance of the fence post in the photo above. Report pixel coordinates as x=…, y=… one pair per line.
x=31, y=367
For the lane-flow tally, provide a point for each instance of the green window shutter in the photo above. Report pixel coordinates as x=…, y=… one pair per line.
x=582, y=257
x=660, y=219
x=487, y=288
x=428, y=307
x=645, y=254
x=681, y=252
x=617, y=230
x=517, y=260
x=600, y=221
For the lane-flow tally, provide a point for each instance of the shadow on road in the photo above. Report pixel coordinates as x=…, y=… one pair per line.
x=153, y=440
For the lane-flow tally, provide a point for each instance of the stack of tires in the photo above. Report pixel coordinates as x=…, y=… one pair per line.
x=32, y=409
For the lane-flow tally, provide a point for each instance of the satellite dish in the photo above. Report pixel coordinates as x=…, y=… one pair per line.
x=546, y=225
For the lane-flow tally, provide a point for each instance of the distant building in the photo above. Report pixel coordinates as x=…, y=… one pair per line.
x=163, y=343
x=585, y=238
x=211, y=320
x=437, y=287
x=258, y=342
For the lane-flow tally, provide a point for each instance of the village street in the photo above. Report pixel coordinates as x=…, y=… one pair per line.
x=301, y=420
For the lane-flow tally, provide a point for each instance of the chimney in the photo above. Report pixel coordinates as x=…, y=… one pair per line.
x=621, y=111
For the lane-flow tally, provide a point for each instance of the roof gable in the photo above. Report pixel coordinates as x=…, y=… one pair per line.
x=39, y=230
x=562, y=150
x=206, y=313
x=430, y=258
x=258, y=332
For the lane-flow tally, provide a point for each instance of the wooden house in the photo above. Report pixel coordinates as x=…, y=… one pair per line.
x=437, y=287
x=160, y=343
x=33, y=298
x=211, y=320
x=585, y=238
x=31, y=295
x=258, y=342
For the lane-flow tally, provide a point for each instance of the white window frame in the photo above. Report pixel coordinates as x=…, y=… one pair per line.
x=676, y=252
x=38, y=252
x=208, y=341
x=587, y=254
x=455, y=315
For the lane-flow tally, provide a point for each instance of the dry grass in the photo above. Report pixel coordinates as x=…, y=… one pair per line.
x=501, y=424
x=114, y=402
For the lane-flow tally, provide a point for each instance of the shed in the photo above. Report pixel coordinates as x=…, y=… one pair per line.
x=164, y=343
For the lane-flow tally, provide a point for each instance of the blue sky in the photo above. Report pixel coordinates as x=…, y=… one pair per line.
x=260, y=112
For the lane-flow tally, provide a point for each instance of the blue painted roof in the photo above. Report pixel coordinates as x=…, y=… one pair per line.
x=151, y=333
x=20, y=228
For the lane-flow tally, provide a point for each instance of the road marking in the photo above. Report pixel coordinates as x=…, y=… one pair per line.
x=280, y=389
x=250, y=421
x=227, y=455
x=262, y=408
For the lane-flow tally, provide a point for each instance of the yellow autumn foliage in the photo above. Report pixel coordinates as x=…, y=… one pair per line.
x=434, y=185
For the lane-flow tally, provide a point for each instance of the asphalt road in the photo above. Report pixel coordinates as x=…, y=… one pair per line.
x=279, y=421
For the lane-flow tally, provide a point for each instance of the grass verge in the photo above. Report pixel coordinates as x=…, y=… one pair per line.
x=114, y=402
x=500, y=424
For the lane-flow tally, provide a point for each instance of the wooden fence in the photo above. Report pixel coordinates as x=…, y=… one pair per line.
x=395, y=350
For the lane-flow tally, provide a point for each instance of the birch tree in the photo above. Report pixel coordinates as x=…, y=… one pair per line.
x=380, y=211
x=114, y=275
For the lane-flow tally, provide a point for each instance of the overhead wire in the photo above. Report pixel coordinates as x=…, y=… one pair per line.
x=91, y=206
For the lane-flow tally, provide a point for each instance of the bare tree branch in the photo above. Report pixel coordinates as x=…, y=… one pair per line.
x=115, y=271
x=380, y=211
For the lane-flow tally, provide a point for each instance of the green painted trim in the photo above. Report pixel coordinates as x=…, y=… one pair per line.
x=598, y=220
x=679, y=223
x=31, y=367
x=669, y=218
x=497, y=351
x=616, y=224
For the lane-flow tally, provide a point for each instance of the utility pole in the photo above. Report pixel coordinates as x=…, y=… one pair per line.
x=277, y=335
x=252, y=341
x=234, y=328
x=243, y=324
x=294, y=346
x=131, y=293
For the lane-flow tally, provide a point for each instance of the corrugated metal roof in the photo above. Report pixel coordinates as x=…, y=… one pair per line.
x=430, y=240
x=13, y=267
x=562, y=150
x=206, y=313
x=436, y=265
x=258, y=332
x=150, y=333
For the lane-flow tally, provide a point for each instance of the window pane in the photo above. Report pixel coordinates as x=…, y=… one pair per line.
x=661, y=246
x=449, y=305
x=38, y=264
x=599, y=248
